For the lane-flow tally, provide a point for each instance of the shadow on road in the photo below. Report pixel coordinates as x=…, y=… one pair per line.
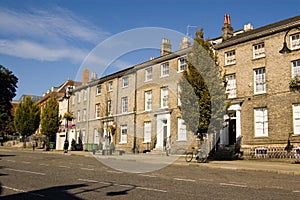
x=59, y=192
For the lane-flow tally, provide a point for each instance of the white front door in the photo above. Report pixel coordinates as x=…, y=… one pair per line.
x=163, y=129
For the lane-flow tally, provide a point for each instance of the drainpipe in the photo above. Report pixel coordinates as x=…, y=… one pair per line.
x=135, y=150
x=115, y=136
x=87, y=113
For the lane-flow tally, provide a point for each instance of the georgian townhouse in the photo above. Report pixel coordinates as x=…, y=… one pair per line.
x=261, y=86
x=158, y=114
x=114, y=109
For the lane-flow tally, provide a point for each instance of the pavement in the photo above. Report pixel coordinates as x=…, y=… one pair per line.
x=279, y=166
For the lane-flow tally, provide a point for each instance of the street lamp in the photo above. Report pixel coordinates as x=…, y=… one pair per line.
x=285, y=48
x=67, y=95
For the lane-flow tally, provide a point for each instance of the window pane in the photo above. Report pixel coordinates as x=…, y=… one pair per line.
x=147, y=131
x=260, y=80
x=261, y=122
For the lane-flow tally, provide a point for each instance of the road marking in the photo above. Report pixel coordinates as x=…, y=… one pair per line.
x=296, y=191
x=116, y=172
x=232, y=168
x=88, y=180
x=183, y=179
x=42, y=164
x=63, y=166
x=234, y=185
x=146, y=175
x=151, y=189
x=25, y=162
x=25, y=171
x=90, y=169
x=10, y=160
x=23, y=191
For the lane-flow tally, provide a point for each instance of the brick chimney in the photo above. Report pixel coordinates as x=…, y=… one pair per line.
x=227, y=30
x=85, y=76
x=165, y=47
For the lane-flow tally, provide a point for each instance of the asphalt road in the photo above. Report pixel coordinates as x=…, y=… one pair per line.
x=42, y=175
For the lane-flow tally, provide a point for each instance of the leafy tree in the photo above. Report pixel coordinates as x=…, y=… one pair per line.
x=7, y=92
x=202, y=89
x=27, y=118
x=50, y=119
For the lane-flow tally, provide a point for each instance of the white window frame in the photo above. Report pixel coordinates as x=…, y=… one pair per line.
x=109, y=107
x=182, y=63
x=295, y=41
x=110, y=86
x=148, y=74
x=78, y=96
x=125, y=82
x=296, y=119
x=231, y=86
x=148, y=100
x=84, y=115
x=147, y=131
x=164, y=97
x=260, y=83
x=181, y=130
x=164, y=69
x=259, y=50
x=98, y=89
x=84, y=95
x=124, y=101
x=78, y=116
x=230, y=57
x=261, y=122
x=295, y=68
x=178, y=95
x=97, y=110
x=123, y=134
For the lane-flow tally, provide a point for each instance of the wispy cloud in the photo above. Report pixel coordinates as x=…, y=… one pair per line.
x=47, y=35
x=32, y=50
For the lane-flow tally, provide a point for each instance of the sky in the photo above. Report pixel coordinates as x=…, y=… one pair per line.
x=46, y=42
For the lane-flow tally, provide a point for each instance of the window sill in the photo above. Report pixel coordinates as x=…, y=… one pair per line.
x=164, y=76
x=260, y=93
x=122, y=142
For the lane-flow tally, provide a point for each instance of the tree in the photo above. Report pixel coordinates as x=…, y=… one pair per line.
x=27, y=118
x=7, y=92
x=202, y=89
x=50, y=119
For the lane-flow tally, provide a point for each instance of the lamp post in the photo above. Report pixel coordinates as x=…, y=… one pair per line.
x=67, y=96
x=285, y=48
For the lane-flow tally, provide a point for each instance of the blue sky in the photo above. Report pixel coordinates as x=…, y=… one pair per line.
x=45, y=42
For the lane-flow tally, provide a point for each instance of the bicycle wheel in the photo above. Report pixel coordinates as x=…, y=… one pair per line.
x=188, y=156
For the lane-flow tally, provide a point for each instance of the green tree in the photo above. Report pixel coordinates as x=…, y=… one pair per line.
x=27, y=118
x=202, y=89
x=8, y=85
x=50, y=119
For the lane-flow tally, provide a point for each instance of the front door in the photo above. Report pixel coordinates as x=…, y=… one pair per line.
x=232, y=131
x=163, y=129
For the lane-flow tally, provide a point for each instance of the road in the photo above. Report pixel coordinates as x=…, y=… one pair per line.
x=46, y=175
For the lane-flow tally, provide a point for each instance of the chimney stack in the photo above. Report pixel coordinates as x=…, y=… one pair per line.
x=184, y=43
x=85, y=76
x=165, y=47
x=227, y=30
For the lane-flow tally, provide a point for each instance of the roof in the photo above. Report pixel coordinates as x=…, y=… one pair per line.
x=270, y=29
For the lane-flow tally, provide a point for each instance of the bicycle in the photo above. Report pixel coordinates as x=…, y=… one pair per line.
x=199, y=155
